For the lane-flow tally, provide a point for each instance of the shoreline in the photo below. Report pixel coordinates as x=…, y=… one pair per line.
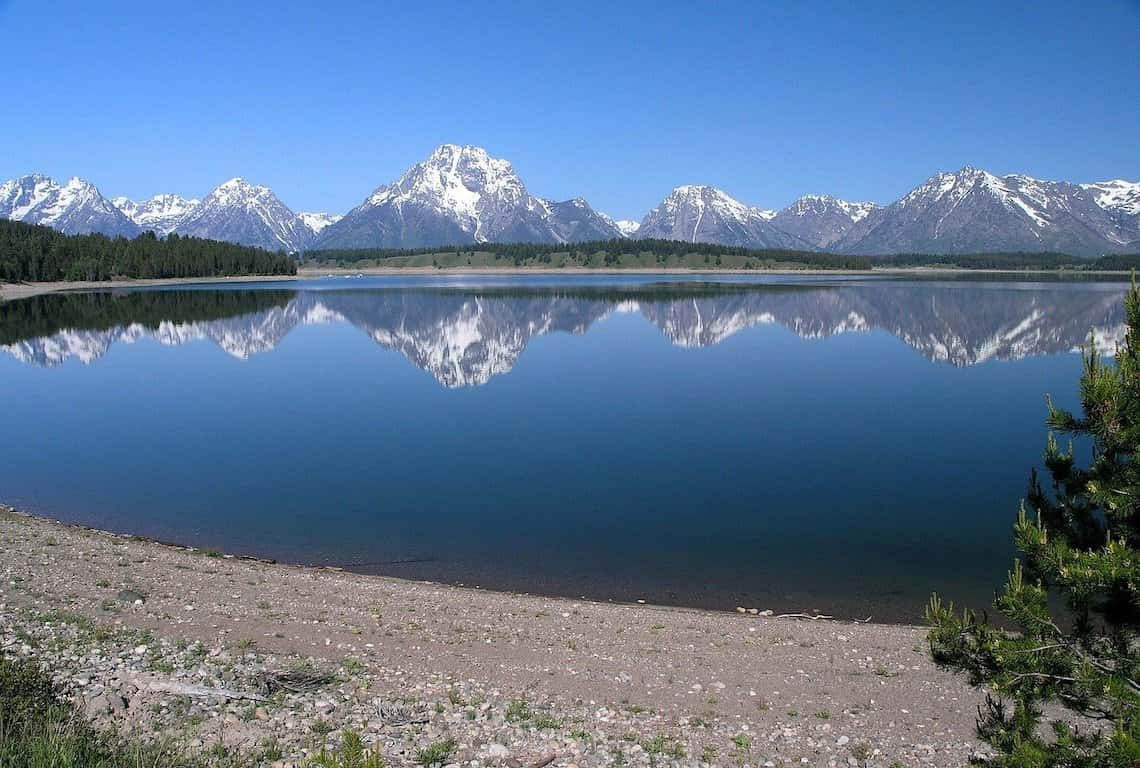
x=581, y=680
x=176, y=546
x=13, y=291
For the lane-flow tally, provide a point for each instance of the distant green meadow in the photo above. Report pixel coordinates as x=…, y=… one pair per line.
x=669, y=254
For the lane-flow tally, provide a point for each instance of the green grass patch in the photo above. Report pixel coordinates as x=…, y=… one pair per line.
x=40, y=729
x=352, y=754
x=666, y=746
x=437, y=754
x=518, y=711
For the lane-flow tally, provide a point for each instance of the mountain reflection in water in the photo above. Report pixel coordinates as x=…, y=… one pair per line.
x=465, y=337
x=707, y=442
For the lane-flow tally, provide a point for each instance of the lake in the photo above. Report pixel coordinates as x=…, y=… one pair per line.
x=846, y=445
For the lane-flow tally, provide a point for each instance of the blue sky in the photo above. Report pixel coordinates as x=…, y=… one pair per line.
x=615, y=101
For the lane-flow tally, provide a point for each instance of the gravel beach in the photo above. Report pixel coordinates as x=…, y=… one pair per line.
x=273, y=660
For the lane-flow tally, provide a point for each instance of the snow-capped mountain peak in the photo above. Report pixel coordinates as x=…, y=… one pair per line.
x=462, y=195
x=20, y=196
x=623, y=227
x=817, y=204
x=318, y=220
x=161, y=213
x=250, y=214
x=74, y=208
x=464, y=183
x=698, y=213
x=823, y=220
x=972, y=210
x=238, y=191
x=1024, y=196
x=1117, y=195
x=940, y=185
x=704, y=198
x=458, y=195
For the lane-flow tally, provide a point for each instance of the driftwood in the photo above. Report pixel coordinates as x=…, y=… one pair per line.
x=398, y=713
x=189, y=689
x=818, y=617
x=293, y=681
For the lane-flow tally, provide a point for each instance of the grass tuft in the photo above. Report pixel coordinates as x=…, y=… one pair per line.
x=437, y=754
x=40, y=729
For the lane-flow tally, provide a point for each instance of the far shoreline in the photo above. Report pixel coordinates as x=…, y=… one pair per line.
x=14, y=291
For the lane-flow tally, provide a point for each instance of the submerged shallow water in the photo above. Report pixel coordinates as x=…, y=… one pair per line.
x=846, y=445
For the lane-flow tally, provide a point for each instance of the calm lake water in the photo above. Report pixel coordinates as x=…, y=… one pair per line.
x=846, y=445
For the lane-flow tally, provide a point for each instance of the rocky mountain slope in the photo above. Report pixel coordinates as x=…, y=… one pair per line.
x=74, y=208
x=627, y=227
x=161, y=214
x=972, y=210
x=701, y=214
x=249, y=214
x=461, y=195
x=823, y=220
x=316, y=221
x=1121, y=199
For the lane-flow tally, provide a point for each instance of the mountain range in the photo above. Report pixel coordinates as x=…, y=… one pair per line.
x=460, y=195
x=466, y=339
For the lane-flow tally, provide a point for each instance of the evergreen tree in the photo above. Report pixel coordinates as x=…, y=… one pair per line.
x=35, y=253
x=1074, y=594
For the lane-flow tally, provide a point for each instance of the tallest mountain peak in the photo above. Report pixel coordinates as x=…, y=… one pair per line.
x=462, y=195
x=454, y=150
x=454, y=158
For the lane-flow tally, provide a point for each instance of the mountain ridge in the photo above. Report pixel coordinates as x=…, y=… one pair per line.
x=461, y=195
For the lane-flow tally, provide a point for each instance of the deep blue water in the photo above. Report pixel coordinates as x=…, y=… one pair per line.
x=794, y=444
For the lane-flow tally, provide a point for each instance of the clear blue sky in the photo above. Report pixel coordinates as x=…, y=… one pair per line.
x=615, y=101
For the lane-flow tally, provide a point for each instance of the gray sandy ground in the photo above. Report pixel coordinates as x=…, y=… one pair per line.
x=162, y=640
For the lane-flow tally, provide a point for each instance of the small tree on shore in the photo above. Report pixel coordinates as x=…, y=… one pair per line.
x=1074, y=594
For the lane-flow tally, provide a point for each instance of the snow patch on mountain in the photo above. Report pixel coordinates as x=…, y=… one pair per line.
x=1117, y=195
x=19, y=197
x=464, y=182
x=697, y=213
x=316, y=221
x=161, y=213
x=627, y=227
x=462, y=195
x=249, y=214
x=74, y=208
x=972, y=210
x=809, y=205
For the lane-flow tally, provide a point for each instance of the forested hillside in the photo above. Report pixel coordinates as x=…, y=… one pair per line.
x=35, y=253
x=1015, y=261
x=660, y=254
x=618, y=253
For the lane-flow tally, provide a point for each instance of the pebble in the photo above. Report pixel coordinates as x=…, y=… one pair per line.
x=596, y=679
